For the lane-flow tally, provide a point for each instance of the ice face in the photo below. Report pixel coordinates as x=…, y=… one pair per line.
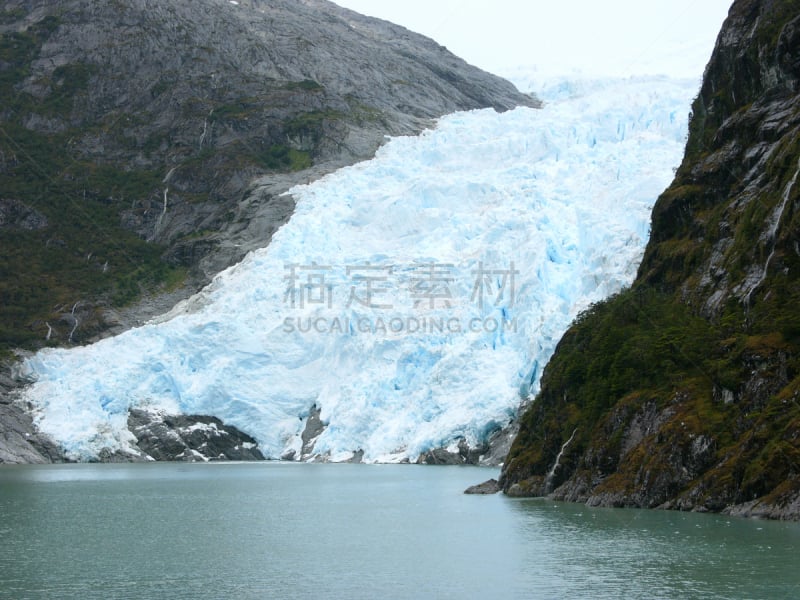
x=414, y=298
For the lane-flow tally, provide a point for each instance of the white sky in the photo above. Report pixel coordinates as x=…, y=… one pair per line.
x=596, y=37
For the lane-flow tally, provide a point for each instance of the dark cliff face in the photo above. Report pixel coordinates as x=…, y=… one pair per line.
x=684, y=391
x=145, y=143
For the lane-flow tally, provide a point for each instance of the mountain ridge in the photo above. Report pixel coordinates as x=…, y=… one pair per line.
x=154, y=140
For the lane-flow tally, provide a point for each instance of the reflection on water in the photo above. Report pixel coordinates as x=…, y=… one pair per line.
x=358, y=531
x=640, y=553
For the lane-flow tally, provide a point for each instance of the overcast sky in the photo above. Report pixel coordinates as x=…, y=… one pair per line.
x=599, y=37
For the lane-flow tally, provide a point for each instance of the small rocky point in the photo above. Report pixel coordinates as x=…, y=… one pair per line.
x=486, y=488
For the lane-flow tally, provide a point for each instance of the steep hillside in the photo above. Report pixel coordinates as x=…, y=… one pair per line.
x=144, y=144
x=684, y=391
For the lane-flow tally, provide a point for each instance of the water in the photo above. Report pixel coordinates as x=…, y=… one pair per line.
x=271, y=530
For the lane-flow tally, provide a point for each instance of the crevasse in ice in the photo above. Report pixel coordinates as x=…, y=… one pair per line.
x=414, y=298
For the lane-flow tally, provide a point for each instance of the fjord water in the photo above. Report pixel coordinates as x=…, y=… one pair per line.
x=277, y=530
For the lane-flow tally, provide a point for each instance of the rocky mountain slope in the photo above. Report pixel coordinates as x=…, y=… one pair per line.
x=144, y=144
x=684, y=391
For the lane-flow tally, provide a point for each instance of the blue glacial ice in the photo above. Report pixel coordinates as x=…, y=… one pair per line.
x=414, y=298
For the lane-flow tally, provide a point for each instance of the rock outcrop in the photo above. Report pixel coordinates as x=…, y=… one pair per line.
x=189, y=438
x=16, y=215
x=486, y=488
x=683, y=392
x=490, y=453
x=20, y=442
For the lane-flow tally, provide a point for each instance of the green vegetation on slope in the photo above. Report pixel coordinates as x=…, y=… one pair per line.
x=82, y=252
x=641, y=355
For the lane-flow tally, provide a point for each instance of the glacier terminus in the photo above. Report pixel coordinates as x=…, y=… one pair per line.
x=413, y=299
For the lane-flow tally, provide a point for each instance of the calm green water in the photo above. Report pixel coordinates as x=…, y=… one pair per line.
x=271, y=530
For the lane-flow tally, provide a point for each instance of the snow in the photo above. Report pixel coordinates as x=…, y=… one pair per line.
x=210, y=428
x=414, y=298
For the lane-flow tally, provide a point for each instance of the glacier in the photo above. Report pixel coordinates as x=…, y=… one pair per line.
x=413, y=298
